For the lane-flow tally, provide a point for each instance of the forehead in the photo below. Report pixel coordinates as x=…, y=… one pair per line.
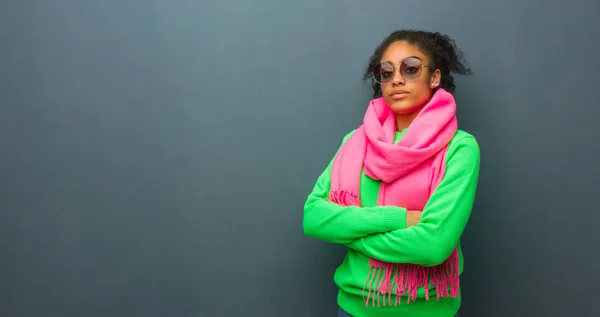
x=400, y=50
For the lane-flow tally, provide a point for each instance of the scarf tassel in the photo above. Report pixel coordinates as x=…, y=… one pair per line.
x=407, y=280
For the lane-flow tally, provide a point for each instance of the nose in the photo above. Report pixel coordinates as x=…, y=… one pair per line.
x=398, y=79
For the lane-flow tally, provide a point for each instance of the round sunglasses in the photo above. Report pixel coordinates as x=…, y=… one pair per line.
x=410, y=69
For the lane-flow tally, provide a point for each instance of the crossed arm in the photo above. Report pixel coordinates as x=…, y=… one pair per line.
x=393, y=234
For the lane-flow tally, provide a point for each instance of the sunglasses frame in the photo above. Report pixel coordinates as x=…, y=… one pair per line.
x=394, y=68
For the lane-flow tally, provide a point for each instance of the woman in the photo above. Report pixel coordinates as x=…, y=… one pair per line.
x=399, y=192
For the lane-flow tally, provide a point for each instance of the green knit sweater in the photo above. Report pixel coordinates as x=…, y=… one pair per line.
x=380, y=232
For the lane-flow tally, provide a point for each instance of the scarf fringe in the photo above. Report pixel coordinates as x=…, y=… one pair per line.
x=407, y=278
x=403, y=278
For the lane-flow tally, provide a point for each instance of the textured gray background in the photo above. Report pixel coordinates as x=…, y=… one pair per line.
x=155, y=155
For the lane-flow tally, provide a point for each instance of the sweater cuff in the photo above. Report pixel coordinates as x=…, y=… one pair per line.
x=394, y=218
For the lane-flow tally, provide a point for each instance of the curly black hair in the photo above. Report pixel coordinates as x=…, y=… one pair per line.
x=438, y=47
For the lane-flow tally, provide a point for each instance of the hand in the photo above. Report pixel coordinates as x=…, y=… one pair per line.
x=413, y=217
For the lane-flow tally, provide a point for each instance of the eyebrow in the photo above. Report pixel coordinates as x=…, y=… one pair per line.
x=413, y=56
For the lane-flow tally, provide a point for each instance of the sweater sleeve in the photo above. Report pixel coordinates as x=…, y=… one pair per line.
x=331, y=222
x=444, y=217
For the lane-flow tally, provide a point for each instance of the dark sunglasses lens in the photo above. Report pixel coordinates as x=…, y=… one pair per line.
x=411, y=68
x=383, y=72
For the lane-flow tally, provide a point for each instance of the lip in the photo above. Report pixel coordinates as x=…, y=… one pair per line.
x=398, y=94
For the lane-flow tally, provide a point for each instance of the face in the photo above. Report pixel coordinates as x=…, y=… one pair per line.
x=405, y=96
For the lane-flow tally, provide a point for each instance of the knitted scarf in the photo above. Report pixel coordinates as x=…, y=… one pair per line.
x=409, y=172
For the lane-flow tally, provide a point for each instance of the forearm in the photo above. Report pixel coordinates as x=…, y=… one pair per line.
x=339, y=224
x=417, y=245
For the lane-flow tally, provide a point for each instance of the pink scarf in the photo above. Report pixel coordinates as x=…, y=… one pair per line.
x=409, y=172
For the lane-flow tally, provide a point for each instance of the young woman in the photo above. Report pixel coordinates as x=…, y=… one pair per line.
x=400, y=189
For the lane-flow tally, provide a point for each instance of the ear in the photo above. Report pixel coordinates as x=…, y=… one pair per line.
x=436, y=79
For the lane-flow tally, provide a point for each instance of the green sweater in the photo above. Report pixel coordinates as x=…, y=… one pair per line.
x=380, y=232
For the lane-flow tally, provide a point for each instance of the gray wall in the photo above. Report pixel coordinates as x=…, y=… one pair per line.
x=155, y=155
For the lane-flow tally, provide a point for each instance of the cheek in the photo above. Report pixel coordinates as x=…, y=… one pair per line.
x=385, y=88
x=422, y=91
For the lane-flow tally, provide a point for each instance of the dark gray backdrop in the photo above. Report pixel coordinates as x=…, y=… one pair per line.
x=155, y=155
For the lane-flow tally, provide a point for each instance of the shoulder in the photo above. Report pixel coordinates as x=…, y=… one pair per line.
x=463, y=138
x=348, y=135
x=465, y=146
